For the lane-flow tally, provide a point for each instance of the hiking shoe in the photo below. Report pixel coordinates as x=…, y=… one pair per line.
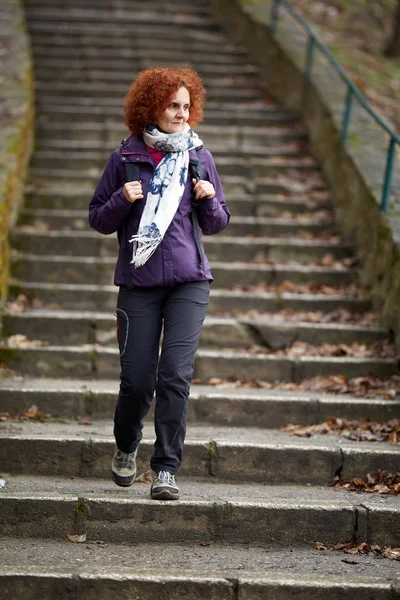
x=163, y=486
x=123, y=467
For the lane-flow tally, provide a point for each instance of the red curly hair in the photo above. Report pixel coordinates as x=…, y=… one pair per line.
x=152, y=91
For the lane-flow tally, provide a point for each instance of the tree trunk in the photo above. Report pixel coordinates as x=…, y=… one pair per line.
x=392, y=49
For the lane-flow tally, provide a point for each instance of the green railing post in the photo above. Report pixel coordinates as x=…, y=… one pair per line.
x=347, y=114
x=308, y=69
x=274, y=15
x=388, y=175
x=352, y=90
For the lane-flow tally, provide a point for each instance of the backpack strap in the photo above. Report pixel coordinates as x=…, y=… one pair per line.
x=132, y=174
x=195, y=172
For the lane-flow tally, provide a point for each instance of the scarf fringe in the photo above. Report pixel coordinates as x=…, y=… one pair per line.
x=143, y=248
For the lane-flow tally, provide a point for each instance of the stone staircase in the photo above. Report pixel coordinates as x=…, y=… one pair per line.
x=254, y=498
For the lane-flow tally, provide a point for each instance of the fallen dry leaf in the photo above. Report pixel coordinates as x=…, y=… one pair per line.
x=77, y=539
x=19, y=305
x=144, y=477
x=382, y=482
x=312, y=287
x=366, y=387
x=359, y=431
x=378, y=349
x=363, y=548
x=21, y=341
x=85, y=420
x=208, y=543
x=349, y=561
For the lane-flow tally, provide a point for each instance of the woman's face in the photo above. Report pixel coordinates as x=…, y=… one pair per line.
x=174, y=117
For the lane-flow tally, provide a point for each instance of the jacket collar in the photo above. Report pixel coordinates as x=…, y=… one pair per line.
x=134, y=143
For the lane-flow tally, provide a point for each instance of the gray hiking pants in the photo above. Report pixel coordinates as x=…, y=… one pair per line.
x=141, y=313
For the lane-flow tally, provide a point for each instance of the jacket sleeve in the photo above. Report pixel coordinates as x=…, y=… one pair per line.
x=109, y=206
x=213, y=214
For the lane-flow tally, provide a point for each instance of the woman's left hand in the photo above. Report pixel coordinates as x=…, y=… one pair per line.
x=203, y=189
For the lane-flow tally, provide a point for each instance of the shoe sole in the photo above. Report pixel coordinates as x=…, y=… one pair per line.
x=165, y=495
x=123, y=481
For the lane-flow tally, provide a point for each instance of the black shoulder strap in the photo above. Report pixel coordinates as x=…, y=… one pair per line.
x=132, y=171
x=132, y=174
x=195, y=172
x=194, y=166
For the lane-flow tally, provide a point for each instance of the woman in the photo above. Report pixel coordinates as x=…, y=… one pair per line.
x=162, y=272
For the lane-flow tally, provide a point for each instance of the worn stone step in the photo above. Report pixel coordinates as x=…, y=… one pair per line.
x=48, y=569
x=196, y=41
x=219, y=89
x=241, y=455
x=67, y=7
x=104, y=297
x=228, y=163
x=70, y=328
x=101, y=362
x=100, y=270
x=236, y=246
x=292, y=185
x=248, y=115
x=199, y=57
x=45, y=507
x=126, y=69
x=226, y=406
x=237, y=139
x=70, y=222
x=227, y=168
x=55, y=207
x=108, y=135
x=128, y=22
x=78, y=159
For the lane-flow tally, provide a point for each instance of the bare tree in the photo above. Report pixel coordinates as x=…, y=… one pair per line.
x=392, y=49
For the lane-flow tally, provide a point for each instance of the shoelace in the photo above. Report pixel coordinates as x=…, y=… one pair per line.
x=166, y=477
x=125, y=460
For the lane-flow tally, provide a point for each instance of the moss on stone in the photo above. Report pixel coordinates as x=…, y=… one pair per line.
x=17, y=142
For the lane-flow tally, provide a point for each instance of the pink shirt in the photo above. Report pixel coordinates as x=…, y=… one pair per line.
x=156, y=155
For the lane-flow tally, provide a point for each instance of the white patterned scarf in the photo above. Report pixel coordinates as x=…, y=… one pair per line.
x=166, y=188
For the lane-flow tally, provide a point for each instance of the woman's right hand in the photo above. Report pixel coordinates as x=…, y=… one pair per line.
x=132, y=191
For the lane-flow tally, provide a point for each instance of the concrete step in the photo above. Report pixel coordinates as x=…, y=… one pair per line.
x=128, y=22
x=79, y=164
x=52, y=206
x=91, y=361
x=50, y=568
x=219, y=89
x=239, y=73
x=108, y=134
x=243, y=114
x=60, y=327
x=100, y=270
x=104, y=297
x=48, y=507
x=68, y=7
x=220, y=454
x=78, y=158
x=199, y=56
x=238, y=246
x=230, y=171
x=225, y=406
x=236, y=139
x=196, y=41
x=70, y=221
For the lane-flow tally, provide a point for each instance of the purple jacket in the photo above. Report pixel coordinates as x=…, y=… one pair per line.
x=176, y=259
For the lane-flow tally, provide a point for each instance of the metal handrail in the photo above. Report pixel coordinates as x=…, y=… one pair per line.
x=352, y=91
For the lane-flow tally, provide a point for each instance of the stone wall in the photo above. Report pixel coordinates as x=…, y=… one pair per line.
x=16, y=122
x=355, y=171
